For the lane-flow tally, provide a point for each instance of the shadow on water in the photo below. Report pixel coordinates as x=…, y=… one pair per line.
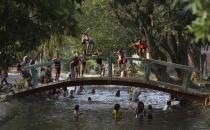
x=33, y=113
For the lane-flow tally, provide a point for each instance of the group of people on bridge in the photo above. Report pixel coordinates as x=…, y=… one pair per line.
x=77, y=63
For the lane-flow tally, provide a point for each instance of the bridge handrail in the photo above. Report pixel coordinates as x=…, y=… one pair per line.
x=43, y=64
x=179, y=66
x=165, y=63
x=63, y=60
x=38, y=65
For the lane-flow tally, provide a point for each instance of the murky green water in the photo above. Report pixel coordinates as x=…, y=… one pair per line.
x=39, y=114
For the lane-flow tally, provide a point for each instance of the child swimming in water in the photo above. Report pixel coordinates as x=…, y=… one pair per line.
x=76, y=111
x=117, y=93
x=167, y=107
x=71, y=94
x=149, y=112
x=117, y=114
x=140, y=112
x=93, y=91
x=89, y=99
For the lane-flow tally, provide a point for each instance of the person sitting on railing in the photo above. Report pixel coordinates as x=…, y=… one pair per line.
x=86, y=40
x=141, y=46
x=122, y=60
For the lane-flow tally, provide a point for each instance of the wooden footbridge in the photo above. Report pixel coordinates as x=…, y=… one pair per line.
x=142, y=78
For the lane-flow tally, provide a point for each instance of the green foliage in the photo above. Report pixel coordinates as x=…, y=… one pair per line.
x=201, y=25
x=91, y=65
x=105, y=30
x=25, y=24
x=163, y=25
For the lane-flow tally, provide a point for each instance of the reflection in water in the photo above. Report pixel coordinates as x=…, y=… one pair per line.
x=38, y=114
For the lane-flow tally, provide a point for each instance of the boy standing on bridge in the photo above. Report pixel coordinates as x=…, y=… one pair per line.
x=57, y=63
x=122, y=60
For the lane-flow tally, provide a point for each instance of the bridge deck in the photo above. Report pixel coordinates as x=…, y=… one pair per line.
x=180, y=91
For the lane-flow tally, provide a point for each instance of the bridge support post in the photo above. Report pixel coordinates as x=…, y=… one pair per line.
x=147, y=69
x=110, y=66
x=186, y=79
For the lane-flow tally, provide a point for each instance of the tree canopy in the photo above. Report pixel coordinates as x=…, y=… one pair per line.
x=25, y=24
x=171, y=28
x=201, y=25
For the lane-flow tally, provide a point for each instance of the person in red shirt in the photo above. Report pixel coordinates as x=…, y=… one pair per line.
x=141, y=47
x=122, y=60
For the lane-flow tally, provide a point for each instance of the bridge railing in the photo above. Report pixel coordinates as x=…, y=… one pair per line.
x=37, y=71
x=150, y=69
x=65, y=63
x=137, y=68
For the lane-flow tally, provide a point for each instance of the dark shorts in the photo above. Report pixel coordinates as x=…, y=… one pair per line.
x=99, y=61
x=58, y=70
x=84, y=63
x=26, y=74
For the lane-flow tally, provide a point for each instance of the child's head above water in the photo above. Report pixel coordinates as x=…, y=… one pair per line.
x=140, y=104
x=116, y=107
x=76, y=107
x=71, y=92
x=169, y=103
x=89, y=99
x=150, y=107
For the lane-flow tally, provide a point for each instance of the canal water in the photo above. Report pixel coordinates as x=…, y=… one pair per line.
x=32, y=113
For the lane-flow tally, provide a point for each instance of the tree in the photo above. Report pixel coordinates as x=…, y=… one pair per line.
x=201, y=25
x=105, y=29
x=25, y=24
x=163, y=25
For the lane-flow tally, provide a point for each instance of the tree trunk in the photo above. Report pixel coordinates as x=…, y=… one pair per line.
x=158, y=70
